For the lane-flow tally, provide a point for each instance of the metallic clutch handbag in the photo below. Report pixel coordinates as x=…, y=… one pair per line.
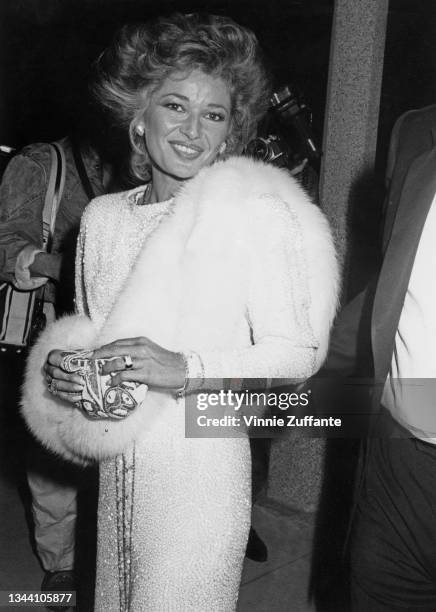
x=99, y=399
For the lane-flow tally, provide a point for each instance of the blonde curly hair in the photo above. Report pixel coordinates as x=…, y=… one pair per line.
x=142, y=56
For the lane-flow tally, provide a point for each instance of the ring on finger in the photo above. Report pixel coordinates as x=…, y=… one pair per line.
x=53, y=387
x=48, y=378
x=128, y=363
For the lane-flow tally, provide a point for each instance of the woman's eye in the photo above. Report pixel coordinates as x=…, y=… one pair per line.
x=174, y=106
x=215, y=116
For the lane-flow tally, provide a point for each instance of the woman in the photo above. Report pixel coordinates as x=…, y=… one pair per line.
x=216, y=268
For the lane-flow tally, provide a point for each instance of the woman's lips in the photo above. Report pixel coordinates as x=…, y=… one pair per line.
x=187, y=151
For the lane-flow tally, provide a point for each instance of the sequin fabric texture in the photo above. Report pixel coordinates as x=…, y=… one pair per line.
x=174, y=512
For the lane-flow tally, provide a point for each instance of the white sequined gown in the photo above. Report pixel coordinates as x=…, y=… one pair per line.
x=174, y=513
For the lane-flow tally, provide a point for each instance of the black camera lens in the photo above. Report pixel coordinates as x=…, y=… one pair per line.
x=259, y=149
x=269, y=149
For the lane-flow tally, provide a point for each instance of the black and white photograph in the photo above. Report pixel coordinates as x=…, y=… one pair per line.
x=216, y=376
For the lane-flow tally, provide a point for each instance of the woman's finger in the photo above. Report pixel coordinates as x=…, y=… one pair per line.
x=56, y=386
x=120, y=347
x=119, y=364
x=71, y=398
x=55, y=357
x=128, y=376
x=115, y=380
x=64, y=390
x=58, y=374
x=123, y=341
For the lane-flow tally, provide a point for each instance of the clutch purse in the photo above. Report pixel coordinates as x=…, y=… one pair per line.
x=99, y=399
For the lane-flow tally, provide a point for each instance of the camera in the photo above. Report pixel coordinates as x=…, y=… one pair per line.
x=285, y=139
x=294, y=117
x=271, y=148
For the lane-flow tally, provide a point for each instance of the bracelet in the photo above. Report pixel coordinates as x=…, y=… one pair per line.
x=194, y=373
x=180, y=392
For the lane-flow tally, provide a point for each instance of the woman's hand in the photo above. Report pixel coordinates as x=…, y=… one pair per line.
x=64, y=385
x=150, y=363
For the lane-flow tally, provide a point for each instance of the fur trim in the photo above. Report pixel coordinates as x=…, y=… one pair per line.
x=62, y=428
x=177, y=294
x=45, y=414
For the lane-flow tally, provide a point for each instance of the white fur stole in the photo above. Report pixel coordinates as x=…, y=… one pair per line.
x=187, y=291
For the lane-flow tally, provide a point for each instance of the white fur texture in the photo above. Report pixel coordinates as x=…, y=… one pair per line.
x=186, y=292
x=44, y=413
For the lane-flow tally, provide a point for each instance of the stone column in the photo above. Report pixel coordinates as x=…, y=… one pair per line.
x=349, y=145
x=353, y=100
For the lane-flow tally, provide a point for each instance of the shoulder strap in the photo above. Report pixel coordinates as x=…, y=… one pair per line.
x=53, y=194
x=83, y=175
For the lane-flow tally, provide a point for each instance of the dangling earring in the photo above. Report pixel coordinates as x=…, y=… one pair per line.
x=223, y=147
x=140, y=130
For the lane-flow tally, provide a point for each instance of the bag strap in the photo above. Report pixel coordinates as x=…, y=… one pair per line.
x=53, y=194
x=81, y=169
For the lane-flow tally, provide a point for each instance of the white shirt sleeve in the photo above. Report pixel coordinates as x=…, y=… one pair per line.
x=283, y=343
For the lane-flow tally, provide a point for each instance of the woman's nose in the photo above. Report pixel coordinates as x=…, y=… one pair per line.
x=191, y=126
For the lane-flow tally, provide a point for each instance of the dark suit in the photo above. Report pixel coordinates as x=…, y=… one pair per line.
x=412, y=188
x=393, y=543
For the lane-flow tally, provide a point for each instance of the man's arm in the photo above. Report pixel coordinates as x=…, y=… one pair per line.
x=22, y=191
x=350, y=341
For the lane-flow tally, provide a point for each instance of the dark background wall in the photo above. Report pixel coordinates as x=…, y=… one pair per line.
x=409, y=81
x=46, y=47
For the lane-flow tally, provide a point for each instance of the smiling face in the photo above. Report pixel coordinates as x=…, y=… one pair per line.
x=186, y=124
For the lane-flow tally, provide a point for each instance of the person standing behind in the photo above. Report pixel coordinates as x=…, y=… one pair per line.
x=23, y=262
x=393, y=535
x=394, y=542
